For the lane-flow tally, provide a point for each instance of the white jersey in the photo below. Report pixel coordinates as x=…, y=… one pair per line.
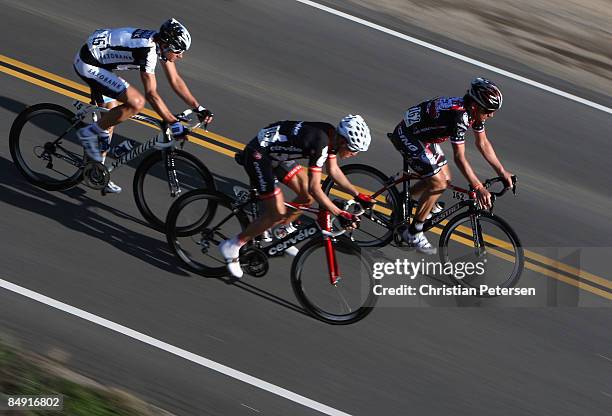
x=122, y=49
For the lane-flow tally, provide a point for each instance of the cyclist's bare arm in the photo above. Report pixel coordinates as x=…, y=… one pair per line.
x=150, y=87
x=486, y=149
x=314, y=187
x=338, y=176
x=484, y=197
x=178, y=84
x=464, y=166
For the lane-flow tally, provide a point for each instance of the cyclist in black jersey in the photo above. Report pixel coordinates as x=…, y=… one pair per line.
x=127, y=48
x=271, y=156
x=432, y=122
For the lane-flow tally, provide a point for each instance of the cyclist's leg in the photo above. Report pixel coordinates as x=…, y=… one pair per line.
x=434, y=187
x=417, y=189
x=274, y=212
x=259, y=168
x=296, y=178
x=109, y=104
x=428, y=160
x=105, y=83
x=132, y=103
x=102, y=83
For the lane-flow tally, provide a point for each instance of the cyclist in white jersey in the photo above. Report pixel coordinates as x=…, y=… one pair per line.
x=107, y=50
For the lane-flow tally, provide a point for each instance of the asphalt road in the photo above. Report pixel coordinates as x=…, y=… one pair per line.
x=258, y=61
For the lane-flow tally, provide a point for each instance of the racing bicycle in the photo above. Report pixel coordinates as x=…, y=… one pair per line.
x=476, y=235
x=46, y=150
x=330, y=276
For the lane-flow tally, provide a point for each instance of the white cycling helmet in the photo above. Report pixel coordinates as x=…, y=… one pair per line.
x=356, y=132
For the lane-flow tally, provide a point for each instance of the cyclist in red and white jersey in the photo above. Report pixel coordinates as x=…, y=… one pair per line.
x=108, y=50
x=432, y=122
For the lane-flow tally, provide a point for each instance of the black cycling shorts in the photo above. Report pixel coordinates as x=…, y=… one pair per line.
x=265, y=172
x=426, y=159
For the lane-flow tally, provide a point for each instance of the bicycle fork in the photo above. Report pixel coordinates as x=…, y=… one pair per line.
x=479, y=246
x=173, y=183
x=324, y=220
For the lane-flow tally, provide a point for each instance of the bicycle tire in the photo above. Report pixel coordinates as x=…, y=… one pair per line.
x=297, y=282
x=496, y=245
x=158, y=220
x=362, y=237
x=17, y=127
x=174, y=232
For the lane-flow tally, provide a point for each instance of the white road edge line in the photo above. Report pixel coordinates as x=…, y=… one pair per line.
x=456, y=56
x=179, y=352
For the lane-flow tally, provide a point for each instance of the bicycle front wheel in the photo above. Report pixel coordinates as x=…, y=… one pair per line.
x=197, y=223
x=350, y=299
x=45, y=148
x=488, y=243
x=153, y=190
x=378, y=222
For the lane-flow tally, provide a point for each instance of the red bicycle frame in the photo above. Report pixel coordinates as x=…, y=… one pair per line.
x=324, y=221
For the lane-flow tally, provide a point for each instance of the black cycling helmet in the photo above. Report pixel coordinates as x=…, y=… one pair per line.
x=486, y=94
x=175, y=35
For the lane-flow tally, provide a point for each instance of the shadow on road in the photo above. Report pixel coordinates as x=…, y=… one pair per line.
x=78, y=214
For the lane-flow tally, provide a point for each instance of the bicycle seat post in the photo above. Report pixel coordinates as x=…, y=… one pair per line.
x=406, y=172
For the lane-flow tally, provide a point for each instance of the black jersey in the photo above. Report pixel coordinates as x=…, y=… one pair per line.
x=289, y=140
x=439, y=119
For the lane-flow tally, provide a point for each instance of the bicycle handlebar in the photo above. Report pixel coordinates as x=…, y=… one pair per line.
x=494, y=195
x=203, y=114
x=346, y=205
x=185, y=118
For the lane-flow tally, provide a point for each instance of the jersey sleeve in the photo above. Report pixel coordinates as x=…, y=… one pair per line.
x=461, y=125
x=478, y=126
x=149, y=61
x=319, y=152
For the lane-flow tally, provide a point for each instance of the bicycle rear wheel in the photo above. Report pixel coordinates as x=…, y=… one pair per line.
x=196, y=224
x=351, y=299
x=489, y=243
x=45, y=148
x=377, y=223
x=152, y=191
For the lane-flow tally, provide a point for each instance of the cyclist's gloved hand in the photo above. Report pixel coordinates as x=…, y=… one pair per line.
x=365, y=200
x=178, y=130
x=204, y=114
x=348, y=220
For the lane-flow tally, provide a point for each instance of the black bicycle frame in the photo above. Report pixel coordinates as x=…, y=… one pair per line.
x=407, y=202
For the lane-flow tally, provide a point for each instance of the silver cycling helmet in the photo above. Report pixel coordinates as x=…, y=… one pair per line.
x=486, y=94
x=356, y=132
x=175, y=35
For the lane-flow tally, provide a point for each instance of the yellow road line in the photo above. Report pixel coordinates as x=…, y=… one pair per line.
x=566, y=279
x=230, y=153
x=44, y=73
x=43, y=84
